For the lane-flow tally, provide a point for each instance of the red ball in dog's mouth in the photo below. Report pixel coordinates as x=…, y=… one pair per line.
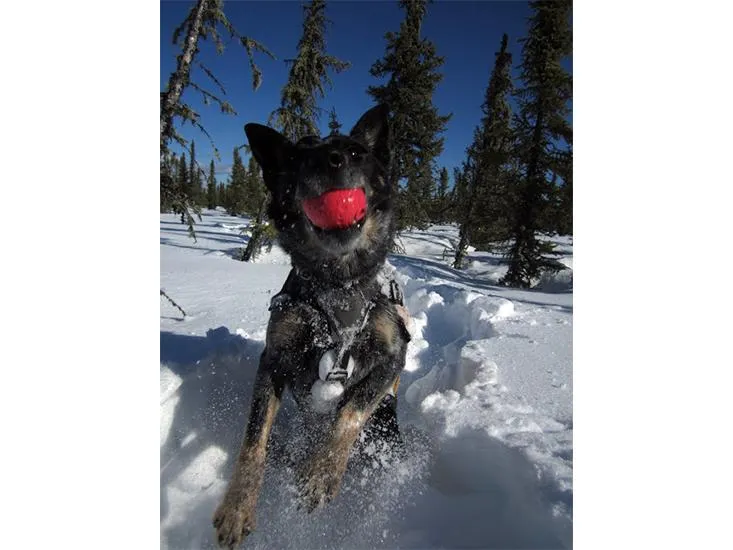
x=336, y=209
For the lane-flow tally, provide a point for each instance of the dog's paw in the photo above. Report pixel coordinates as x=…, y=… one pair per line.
x=319, y=483
x=233, y=523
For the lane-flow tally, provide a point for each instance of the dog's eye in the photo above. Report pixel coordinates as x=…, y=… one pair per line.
x=355, y=155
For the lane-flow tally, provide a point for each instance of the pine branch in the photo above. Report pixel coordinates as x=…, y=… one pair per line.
x=212, y=77
x=200, y=24
x=162, y=293
x=179, y=202
x=196, y=124
x=172, y=96
x=179, y=139
x=180, y=29
x=251, y=46
x=226, y=107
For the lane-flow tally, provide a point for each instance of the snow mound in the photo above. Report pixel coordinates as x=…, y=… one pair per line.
x=453, y=381
x=233, y=227
x=560, y=281
x=275, y=255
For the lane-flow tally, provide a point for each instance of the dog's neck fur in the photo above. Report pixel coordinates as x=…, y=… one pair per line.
x=336, y=275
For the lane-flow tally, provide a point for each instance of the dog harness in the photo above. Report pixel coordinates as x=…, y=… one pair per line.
x=347, y=313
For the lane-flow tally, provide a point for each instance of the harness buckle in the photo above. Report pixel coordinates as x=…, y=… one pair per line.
x=337, y=376
x=329, y=371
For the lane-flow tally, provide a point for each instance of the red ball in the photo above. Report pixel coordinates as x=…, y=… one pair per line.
x=336, y=209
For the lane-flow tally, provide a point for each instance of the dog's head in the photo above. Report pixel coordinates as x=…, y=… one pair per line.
x=332, y=201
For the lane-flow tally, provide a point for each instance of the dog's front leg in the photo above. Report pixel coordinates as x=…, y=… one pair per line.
x=235, y=517
x=320, y=479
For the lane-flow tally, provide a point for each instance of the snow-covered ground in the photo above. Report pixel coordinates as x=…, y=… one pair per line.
x=485, y=403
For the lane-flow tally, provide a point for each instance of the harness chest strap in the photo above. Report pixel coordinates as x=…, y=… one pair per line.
x=337, y=364
x=347, y=314
x=328, y=371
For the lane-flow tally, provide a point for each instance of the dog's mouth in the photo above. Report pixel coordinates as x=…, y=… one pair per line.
x=337, y=209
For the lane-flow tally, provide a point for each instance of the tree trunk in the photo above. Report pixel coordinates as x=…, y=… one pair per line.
x=526, y=217
x=171, y=97
x=466, y=226
x=461, y=249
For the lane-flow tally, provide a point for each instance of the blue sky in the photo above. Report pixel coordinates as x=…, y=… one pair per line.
x=466, y=33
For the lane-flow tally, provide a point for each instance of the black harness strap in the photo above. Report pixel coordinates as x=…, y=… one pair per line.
x=345, y=310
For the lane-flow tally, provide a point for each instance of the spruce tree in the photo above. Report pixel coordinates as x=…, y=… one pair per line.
x=182, y=175
x=194, y=174
x=333, y=124
x=443, y=182
x=254, y=188
x=564, y=216
x=298, y=113
x=168, y=172
x=484, y=215
x=236, y=192
x=411, y=63
x=459, y=193
x=202, y=23
x=440, y=203
x=556, y=218
x=543, y=135
x=222, y=196
x=211, y=201
x=261, y=233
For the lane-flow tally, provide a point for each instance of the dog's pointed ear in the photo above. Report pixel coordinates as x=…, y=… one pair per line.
x=372, y=130
x=269, y=147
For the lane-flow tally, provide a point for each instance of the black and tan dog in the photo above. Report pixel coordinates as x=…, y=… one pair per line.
x=333, y=322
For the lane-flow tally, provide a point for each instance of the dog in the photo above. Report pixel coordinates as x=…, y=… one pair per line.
x=337, y=333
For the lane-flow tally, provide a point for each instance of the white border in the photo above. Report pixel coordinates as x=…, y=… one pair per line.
x=81, y=262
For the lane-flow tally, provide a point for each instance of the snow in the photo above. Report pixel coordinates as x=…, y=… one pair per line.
x=324, y=395
x=485, y=402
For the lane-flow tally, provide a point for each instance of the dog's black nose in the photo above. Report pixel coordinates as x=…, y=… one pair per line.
x=335, y=159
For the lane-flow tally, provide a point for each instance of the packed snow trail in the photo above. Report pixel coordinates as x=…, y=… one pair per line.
x=485, y=403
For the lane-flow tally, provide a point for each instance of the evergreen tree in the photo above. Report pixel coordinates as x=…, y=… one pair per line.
x=443, y=184
x=194, y=174
x=261, y=233
x=564, y=217
x=333, y=124
x=418, y=195
x=557, y=216
x=298, y=114
x=182, y=176
x=541, y=127
x=211, y=199
x=222, y=196
x=202, y=22
x=254, y=188
x=236, y=193
x=484, y=215
x=168, y=169
x=440, y=202
x=412, y=65
x=459, y=193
